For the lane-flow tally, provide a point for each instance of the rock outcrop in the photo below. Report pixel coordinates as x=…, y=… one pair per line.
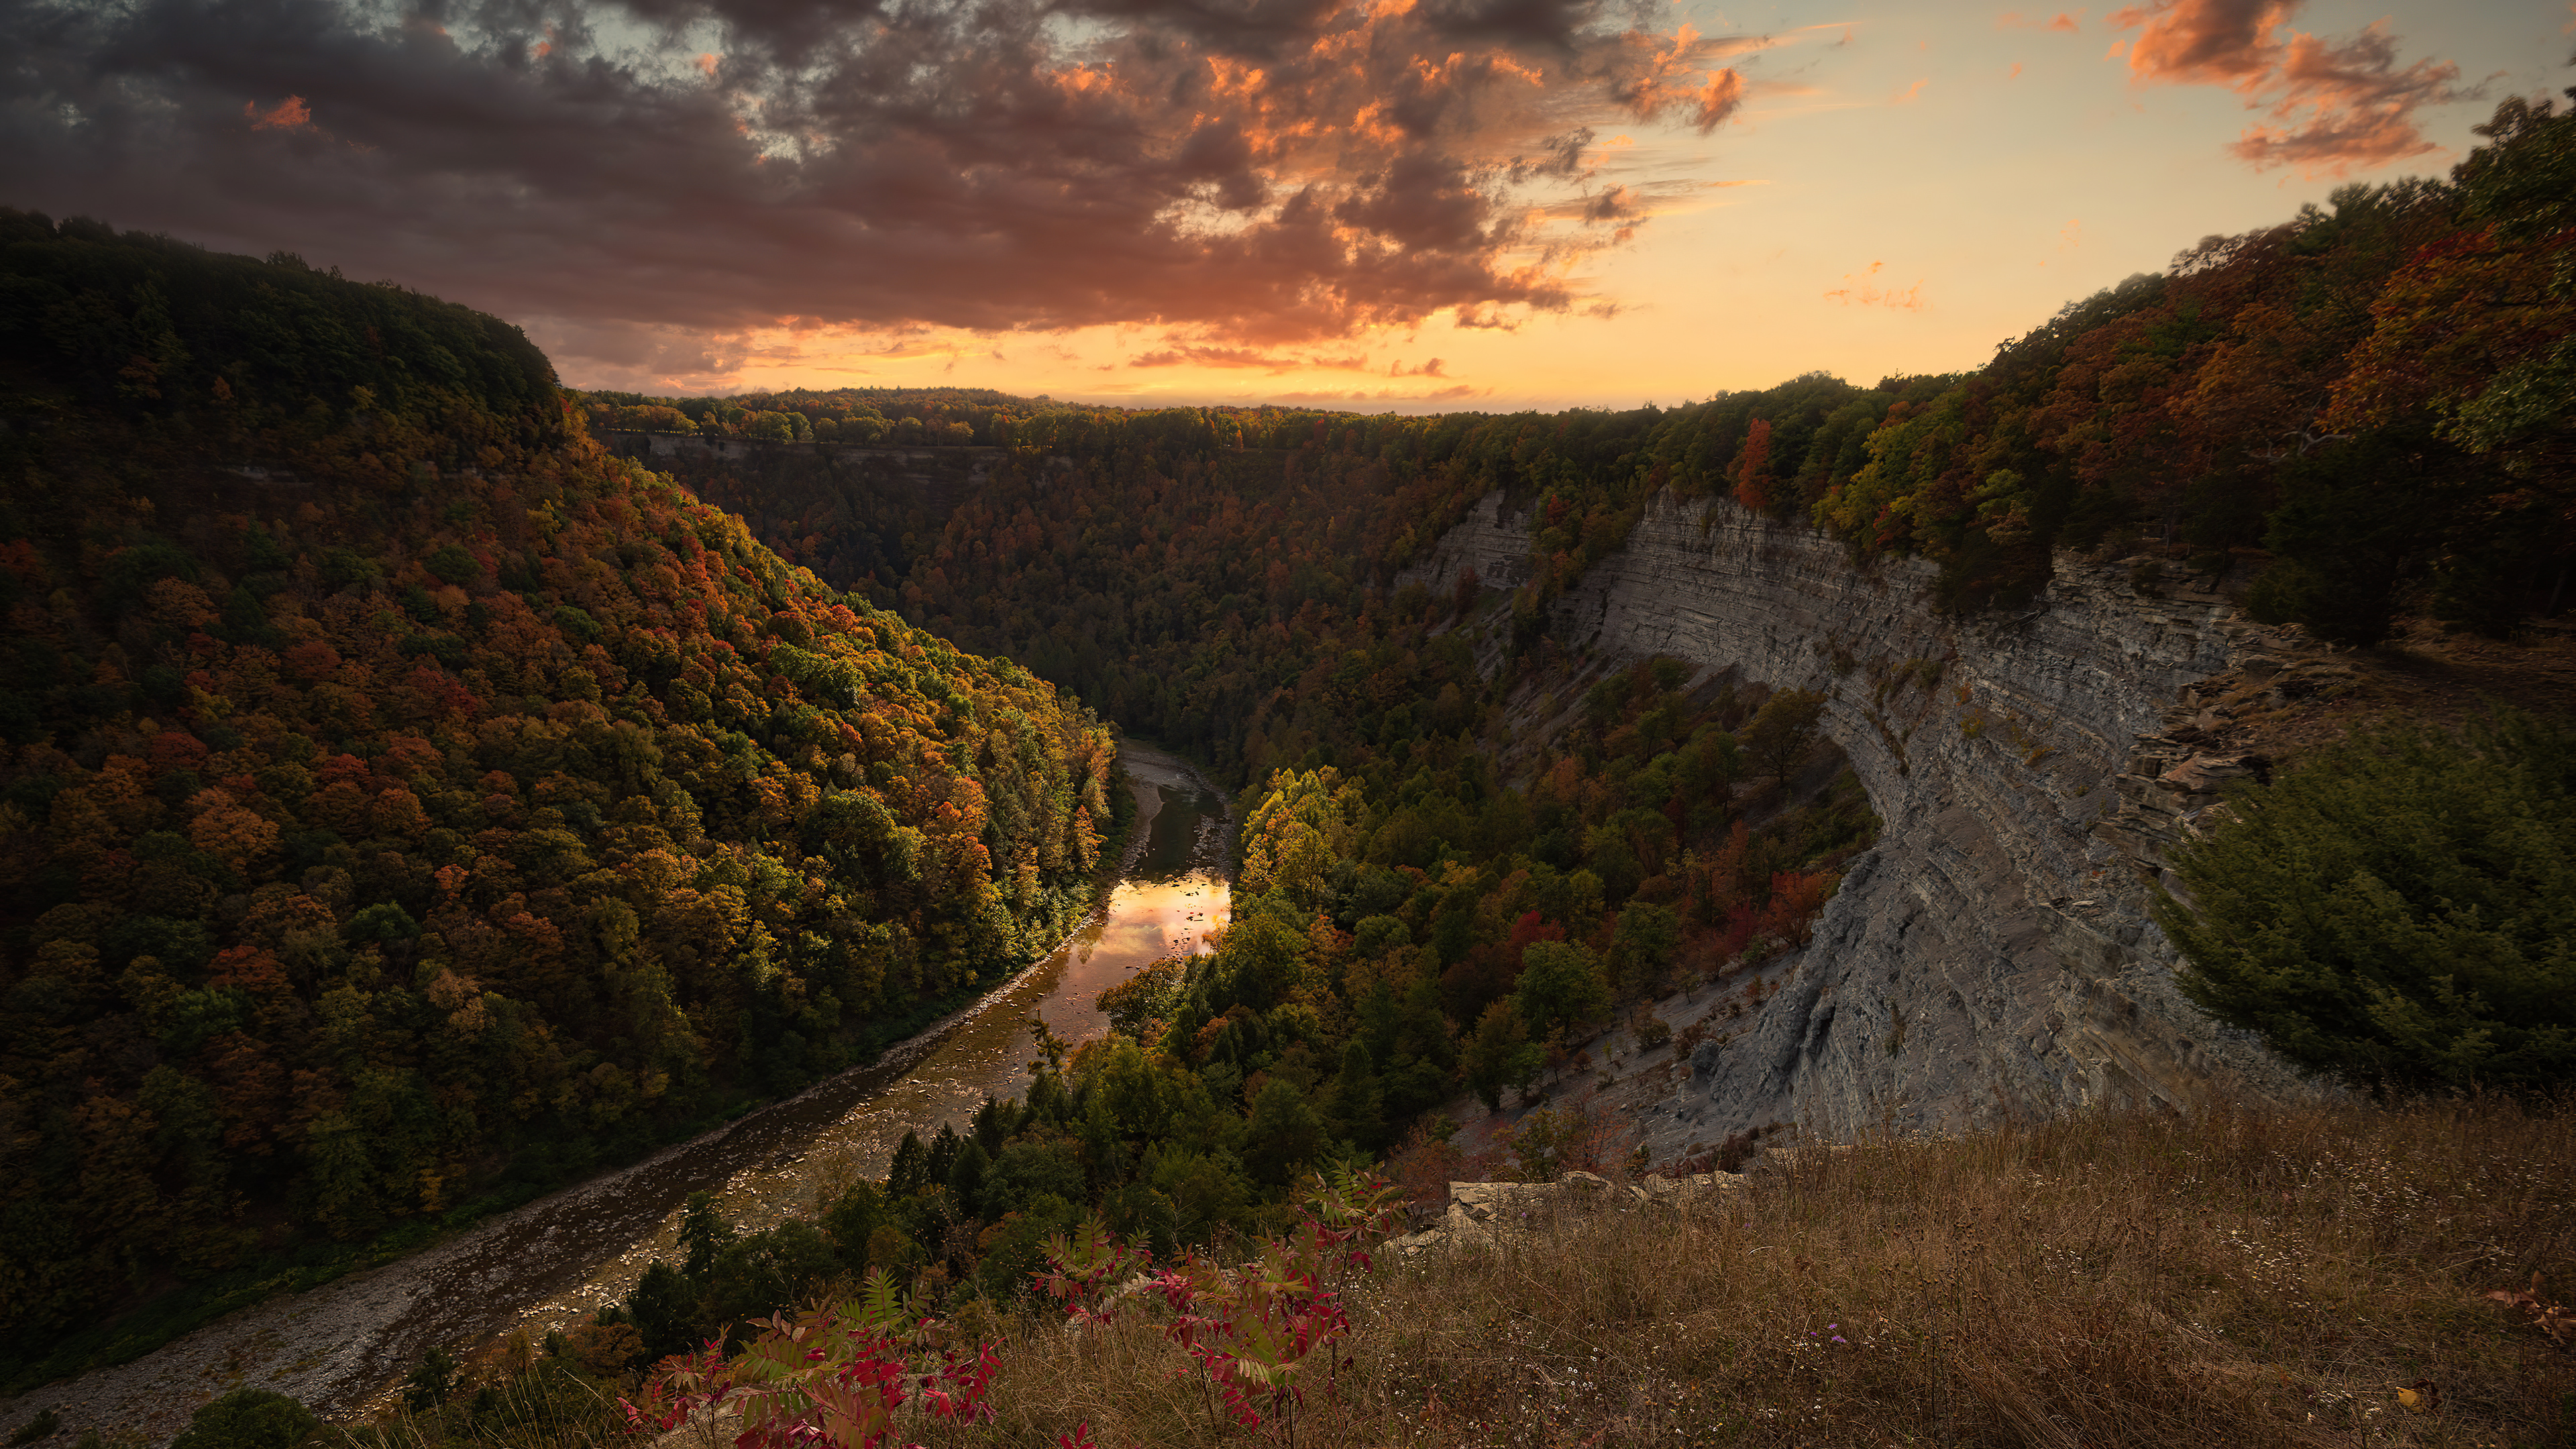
x=1489, y=1214
x=1993, y=955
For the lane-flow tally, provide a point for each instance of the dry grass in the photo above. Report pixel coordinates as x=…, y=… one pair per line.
x=2112, y=1280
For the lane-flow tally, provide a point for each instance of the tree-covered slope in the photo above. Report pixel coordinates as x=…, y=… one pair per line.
x=402, y=795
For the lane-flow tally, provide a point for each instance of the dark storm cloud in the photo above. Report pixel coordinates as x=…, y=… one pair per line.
x=1256, y=171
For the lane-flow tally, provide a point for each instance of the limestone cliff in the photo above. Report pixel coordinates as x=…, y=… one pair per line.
x=1993, y=954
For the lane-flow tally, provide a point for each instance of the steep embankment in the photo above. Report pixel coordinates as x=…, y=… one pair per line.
x=1993, y=954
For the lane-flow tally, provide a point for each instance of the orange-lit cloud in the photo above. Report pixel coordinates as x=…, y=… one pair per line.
x=2070, y=23
x=1458, y=393
x=1257, y=175
x=1910, y=93
x=1661, y=75
x=2343, y=103
x=1245, y=357
x=2349, y=105
x=290, y=114
x=1867, y=294
x=1718, y=101
x=2205, y=42
x=2069, y=237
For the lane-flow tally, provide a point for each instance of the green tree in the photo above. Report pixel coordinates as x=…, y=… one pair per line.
x=1648, y=935
x=664, y=1310
x=1783, y=732
x=966, y=1176
x=1501, y=1054
x=783, y=1265
x=1561, y=984
x=249, y=1419
x=853, y=1220
x=1615, y=861
x=703, y=1235
x=431, y=1380
x=1358, y=1103
x=1285, y=1133
x=2400, y=909
x=2356, y=518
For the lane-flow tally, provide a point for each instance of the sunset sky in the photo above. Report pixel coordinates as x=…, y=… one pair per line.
x=1418, y=204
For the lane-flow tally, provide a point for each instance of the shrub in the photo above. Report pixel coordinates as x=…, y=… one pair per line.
x=2401, y=909
x=249, y=1419
x=454, y=565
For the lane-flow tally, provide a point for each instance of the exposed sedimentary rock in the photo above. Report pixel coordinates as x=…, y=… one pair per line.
x=1993, y=954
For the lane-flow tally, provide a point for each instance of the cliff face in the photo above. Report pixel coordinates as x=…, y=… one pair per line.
x=1993, y=954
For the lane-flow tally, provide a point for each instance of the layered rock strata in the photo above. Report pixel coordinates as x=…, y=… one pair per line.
x=1993, y=955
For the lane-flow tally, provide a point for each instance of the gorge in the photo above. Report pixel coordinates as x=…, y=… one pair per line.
x=416, y=801
x=1992, y=956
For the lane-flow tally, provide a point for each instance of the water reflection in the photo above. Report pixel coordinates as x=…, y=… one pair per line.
x=1172, y=895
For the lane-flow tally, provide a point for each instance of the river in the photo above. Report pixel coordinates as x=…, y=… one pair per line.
x=344, y=1347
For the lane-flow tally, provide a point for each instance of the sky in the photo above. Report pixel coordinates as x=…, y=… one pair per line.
x=1425, y=205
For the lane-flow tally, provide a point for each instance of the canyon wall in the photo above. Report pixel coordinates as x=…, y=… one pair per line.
x=1993, y=955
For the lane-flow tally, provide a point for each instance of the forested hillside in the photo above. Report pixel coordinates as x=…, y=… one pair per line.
x=406, y=801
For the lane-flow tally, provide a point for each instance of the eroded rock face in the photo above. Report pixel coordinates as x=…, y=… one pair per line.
x=1993, y=955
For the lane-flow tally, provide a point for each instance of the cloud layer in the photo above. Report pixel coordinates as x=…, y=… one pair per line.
x=2341, y=104
x=1241, y=173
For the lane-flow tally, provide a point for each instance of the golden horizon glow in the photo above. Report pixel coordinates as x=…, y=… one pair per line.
x=1794, y=237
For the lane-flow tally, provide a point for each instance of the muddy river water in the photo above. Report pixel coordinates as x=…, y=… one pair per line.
x=344, y=1347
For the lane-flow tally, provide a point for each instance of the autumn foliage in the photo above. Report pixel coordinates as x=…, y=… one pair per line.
x=403, y=800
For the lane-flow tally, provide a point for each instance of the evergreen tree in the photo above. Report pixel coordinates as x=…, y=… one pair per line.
x=664, y=1310
x=910, y=1172
x=1285, y=1133
x=1501, y=1054
x=249, y=1419
x=1358, y=1106
x=703, y=1235
x=2400, y=909
x=966, y=1176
